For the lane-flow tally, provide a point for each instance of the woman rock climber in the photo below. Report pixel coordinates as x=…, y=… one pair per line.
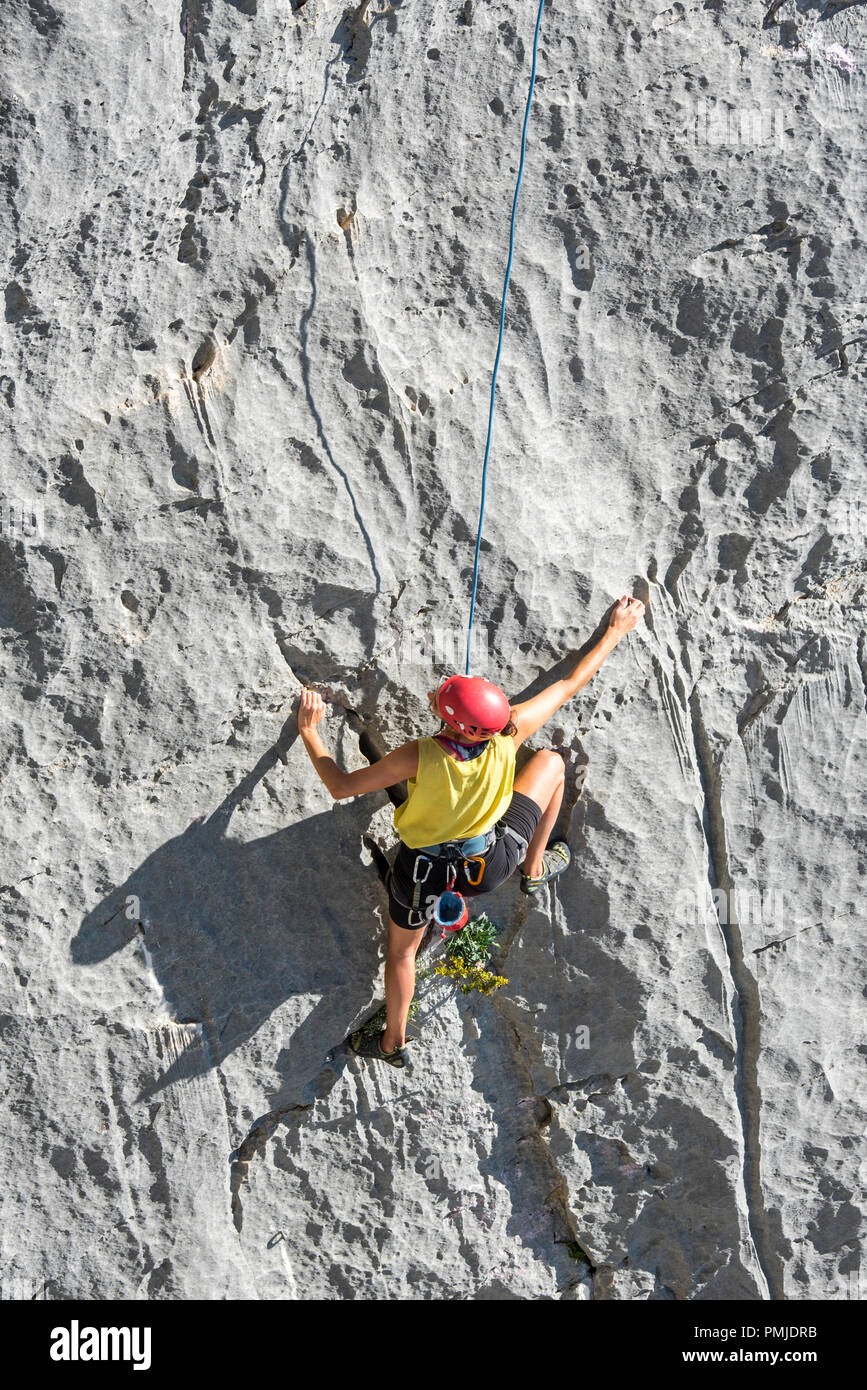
x=468, y=820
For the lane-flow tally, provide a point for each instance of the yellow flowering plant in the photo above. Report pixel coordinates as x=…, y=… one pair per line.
x=466, y=956
x=469, y=977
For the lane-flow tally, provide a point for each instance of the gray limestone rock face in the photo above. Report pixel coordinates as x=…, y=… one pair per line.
x=254, y=259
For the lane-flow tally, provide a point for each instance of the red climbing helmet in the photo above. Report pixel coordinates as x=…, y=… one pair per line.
x=473, y=706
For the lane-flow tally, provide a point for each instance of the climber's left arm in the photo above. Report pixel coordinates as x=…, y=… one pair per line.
x=387, y=772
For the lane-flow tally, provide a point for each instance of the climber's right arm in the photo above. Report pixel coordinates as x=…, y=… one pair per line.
x=394, y=767
x=531, y=714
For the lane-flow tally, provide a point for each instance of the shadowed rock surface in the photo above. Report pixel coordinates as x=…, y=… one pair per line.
x=254, y=258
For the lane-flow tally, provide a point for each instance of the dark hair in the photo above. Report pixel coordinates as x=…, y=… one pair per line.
x=510, y=728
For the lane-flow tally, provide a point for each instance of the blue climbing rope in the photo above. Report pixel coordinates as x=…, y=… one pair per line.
x=502, y=325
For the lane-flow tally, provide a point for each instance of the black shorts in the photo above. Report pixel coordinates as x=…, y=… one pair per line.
x=501, y=860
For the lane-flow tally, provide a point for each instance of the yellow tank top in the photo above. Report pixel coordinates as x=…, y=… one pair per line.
x=452, y=800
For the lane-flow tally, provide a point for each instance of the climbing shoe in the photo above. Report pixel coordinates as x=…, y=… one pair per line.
x=555, y=861
x=370, y=1045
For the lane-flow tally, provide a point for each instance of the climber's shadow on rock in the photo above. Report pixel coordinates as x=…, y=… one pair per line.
x=234, y=929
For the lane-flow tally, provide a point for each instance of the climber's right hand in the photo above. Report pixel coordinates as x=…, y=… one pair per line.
x=310, y=710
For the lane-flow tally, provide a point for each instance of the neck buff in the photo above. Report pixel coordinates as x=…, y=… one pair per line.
x=463, y=751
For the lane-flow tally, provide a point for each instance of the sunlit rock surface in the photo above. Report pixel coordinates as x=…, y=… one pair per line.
x=255, y=252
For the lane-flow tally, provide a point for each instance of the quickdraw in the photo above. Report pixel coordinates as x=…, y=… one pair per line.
x=418, y=881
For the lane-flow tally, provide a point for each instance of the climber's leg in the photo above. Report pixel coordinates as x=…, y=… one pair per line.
x=542, y=779
x=399, y=982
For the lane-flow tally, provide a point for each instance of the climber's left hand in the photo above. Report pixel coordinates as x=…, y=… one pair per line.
x=625, y=615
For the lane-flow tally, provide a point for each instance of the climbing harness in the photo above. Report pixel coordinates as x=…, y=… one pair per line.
x=523, y=842
x=461, y=849
x=500, y=339
x=450, y=911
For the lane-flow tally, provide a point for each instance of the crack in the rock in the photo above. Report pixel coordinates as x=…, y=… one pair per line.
x=242, y=1157
x=772, y=13
x=781, y=940
x=320, y=427
x=557, y=1199
x=799, y=391
x=745, y=1006
x=191, y=15
x=11, y=887
x=507, y=938
x=862, y=665
x=757, y=706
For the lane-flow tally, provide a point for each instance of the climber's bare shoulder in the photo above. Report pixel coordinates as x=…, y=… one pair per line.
x=396, y=766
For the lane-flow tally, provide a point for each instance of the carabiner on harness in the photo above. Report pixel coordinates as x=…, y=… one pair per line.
x=418, y=879
x=475, y=859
